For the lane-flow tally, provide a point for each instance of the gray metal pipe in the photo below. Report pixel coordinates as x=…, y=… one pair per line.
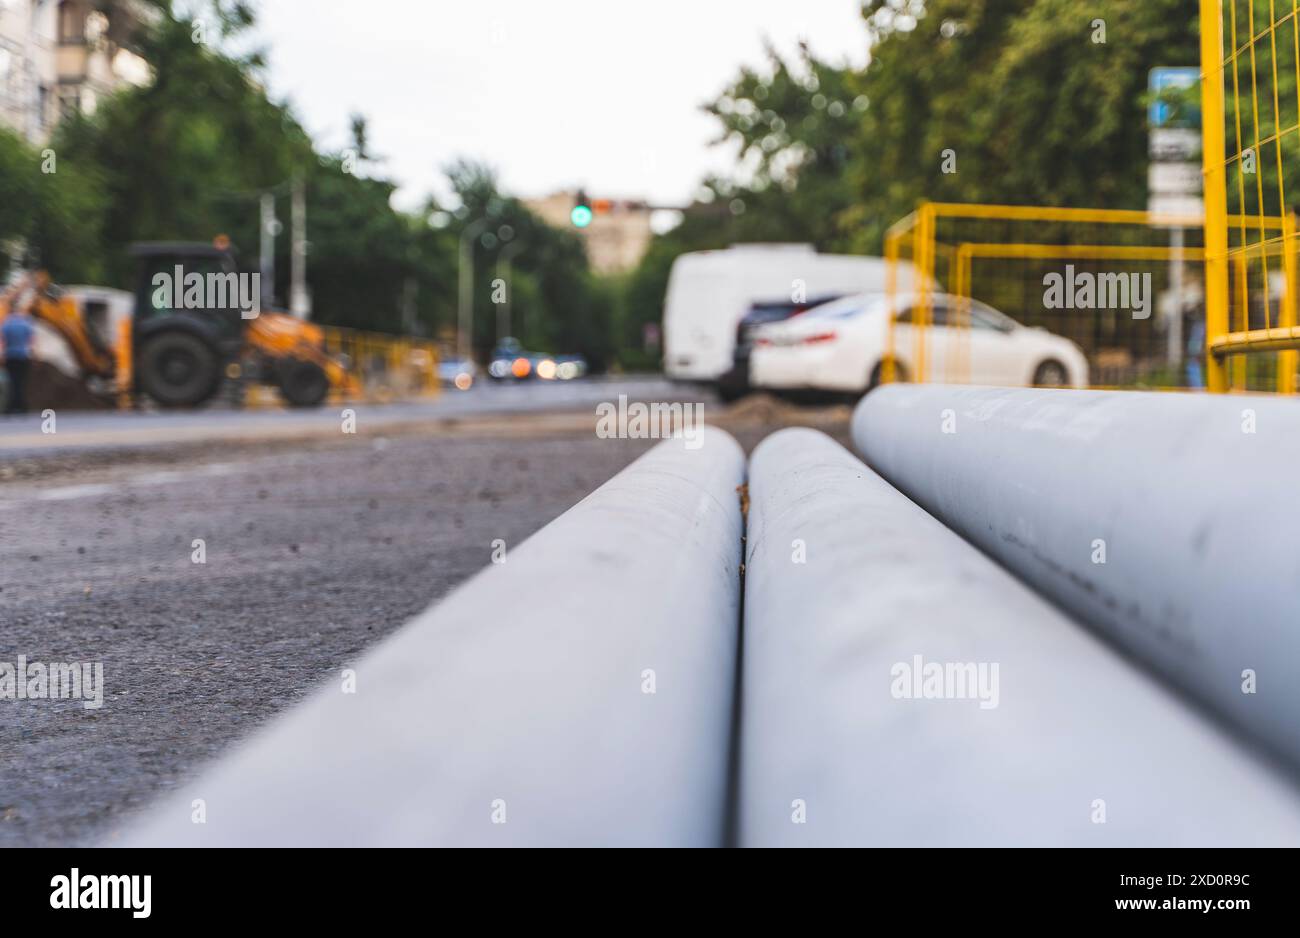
x=580, y=693
x=1166, y=521
x=853, y=595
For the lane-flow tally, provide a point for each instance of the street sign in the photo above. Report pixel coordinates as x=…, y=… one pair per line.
x=1162, y=112
x=1175, y=145
x=1174, y=179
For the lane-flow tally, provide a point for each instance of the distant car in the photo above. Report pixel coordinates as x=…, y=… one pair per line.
x=568, y=367
x=457, y=372
x=735, y=382
x=511, y=362
x=842, y=345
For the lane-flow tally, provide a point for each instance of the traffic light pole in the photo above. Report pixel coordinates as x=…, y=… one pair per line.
x=504, y=310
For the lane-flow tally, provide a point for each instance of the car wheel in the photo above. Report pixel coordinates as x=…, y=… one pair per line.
x=1051, y=374
x=878, y=374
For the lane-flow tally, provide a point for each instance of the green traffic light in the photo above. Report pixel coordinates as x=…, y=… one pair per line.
x=580, y=216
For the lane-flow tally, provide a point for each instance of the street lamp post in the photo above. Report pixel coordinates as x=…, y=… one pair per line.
x=270, y=228
x=465, y=313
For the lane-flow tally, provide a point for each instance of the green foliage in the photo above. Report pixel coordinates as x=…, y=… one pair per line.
x=361, y=250
x=51, y=207
x=1033, y=110
x=184, y=157
x=19, y=181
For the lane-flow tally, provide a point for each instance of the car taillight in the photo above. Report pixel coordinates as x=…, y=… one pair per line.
x=819, y=337
x=762, y=341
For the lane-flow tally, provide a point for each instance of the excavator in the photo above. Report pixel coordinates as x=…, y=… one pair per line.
x=177, y=354
x=80, y=337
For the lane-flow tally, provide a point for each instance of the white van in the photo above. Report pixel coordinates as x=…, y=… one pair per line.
x=710, y=291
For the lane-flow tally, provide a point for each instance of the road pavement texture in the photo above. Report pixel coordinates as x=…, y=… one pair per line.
x=120, y=430
x=315, y=549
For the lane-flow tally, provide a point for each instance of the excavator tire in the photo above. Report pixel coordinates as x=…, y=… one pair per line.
x=303, y=383
x=178, y=369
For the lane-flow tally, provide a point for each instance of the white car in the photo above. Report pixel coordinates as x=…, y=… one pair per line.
x=842, y=346
x=709, y=293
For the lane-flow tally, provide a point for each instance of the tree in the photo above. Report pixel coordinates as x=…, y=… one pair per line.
x=557, y=306
x=790, y=123
x=171, y=170
x=50, y=210
x=1035, y=108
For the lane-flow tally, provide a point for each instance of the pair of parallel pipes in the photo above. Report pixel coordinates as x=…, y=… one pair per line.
x=899, y=687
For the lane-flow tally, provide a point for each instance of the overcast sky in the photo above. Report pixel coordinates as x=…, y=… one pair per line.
x=553, y=93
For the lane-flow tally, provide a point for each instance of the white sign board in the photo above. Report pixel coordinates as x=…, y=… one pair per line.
x=1186, y=207
x=1174, y=179
x=1175, y=145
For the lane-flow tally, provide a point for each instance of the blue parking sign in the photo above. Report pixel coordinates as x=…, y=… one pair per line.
x=1176, y=77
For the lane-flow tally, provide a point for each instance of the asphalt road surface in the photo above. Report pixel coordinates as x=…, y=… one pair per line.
x=316, y=547
x=24, y=435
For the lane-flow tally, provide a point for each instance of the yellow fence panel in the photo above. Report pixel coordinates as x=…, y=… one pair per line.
x=1250, y=101
x=1002, y=256
x=383, y=367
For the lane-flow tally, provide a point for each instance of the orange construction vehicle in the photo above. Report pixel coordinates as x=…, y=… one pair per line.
x=183, y=349
x=181, y=343
x=78, y=343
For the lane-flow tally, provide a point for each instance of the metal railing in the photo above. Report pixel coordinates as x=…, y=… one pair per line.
x=1249, y=50
x=383, y=367
x=998, y=254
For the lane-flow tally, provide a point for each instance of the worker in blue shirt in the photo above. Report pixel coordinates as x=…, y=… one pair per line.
x=16, y=336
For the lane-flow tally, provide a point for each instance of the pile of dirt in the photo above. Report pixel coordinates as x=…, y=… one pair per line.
x=49, y=388
x=770, y=411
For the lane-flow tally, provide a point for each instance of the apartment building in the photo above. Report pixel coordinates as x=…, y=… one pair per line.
x=59, y=57
x=617, y=236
